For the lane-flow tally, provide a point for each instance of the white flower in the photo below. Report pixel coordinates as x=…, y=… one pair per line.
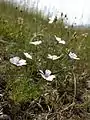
x=60, y=40
x=52, y=19
x=85, y=34
x=47, y=75
x=36, y=42
x=28, y=55
x=17, y=61
x=66, y=27
x=73, y=56
x=53, y=57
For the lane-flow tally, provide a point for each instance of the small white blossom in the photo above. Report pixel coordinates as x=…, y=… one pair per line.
x=73, y=56
x=17, y=61
x=53, y=57
x=66, y=27
x=85, y=34
x=36, y=42
x=60, y=40
x=47, y=75
x=28, y=55
x=52, y=19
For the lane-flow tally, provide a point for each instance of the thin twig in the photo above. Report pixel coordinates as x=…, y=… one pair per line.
x=75, y=87
x=66, y=108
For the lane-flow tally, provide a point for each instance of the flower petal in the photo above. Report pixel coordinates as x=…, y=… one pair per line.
x=43, y=75
x=36, y=42
x=47, y=73
x=53, y=57
x=28, y=55
x=57, y=38
x=50, y=78
x=22, y=62
x=41, y=72
x=60, y=40
x=51, y=21
x=14, y=60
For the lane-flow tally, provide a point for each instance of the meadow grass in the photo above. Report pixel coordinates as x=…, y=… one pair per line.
x=66, y=97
